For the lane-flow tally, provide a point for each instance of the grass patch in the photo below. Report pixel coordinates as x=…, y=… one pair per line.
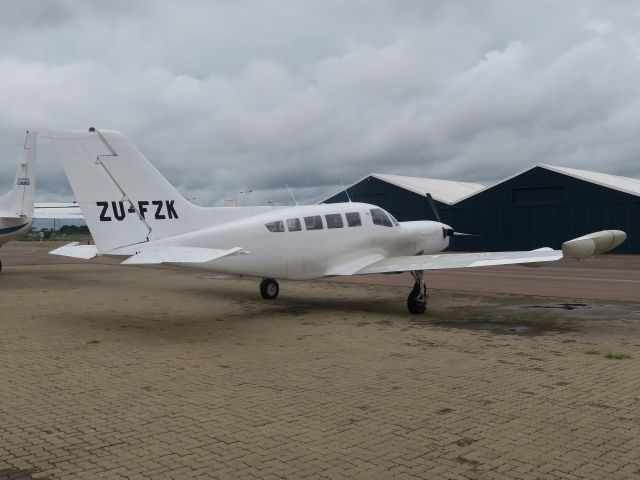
x=592, y=352
x=617, y=356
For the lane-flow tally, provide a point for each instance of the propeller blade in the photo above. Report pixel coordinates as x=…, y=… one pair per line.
x=433, y=207
x=450, y=232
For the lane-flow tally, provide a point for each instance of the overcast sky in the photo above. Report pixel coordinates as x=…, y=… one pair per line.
x=227, y=95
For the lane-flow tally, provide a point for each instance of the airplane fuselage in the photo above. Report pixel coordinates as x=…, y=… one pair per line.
x=313, y=241
x=12, y=228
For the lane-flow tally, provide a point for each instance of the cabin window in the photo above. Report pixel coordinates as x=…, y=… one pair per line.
x=380, y=218
x=393, y=219
x=294, y=225
x=313, y=223
x=353, y=219
x=334, y=220
x=275, y=226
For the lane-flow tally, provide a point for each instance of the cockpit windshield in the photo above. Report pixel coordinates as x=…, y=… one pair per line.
x=380, y=217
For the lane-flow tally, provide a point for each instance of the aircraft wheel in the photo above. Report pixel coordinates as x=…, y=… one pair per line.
x=417, y=300
x=0, y=265
x=269, y=288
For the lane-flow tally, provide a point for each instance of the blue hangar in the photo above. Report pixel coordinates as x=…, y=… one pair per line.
x=541, y=206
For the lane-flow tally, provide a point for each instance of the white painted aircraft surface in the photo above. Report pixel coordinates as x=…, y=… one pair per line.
x=57, y=210
x=17, y=209
x=16, y=206
x=132, y=211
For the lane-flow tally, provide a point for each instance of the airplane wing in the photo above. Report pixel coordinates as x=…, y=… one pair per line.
x=581, y=247
x=460, y=260
x=57, y=210
x=171, y=254
x=150, y=255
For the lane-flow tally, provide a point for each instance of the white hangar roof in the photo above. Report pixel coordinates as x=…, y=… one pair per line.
x=616, y=182
x=450, y=191
x=444, y=191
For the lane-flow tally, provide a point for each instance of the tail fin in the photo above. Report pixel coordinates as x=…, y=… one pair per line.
x=19, y=200
x=123, y=198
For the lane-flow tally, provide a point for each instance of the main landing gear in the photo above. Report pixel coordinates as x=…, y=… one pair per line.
x=269, y=288
x=417, y=300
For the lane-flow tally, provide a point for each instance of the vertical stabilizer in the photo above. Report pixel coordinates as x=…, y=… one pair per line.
x=124, y=199
x=19, y=200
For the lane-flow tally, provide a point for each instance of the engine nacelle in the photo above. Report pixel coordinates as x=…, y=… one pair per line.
x=593, y=244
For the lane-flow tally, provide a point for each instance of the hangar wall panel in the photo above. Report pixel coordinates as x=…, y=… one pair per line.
x=543, y=208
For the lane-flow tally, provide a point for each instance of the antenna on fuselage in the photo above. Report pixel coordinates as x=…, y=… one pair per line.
x=291, y=193
x=345, y=191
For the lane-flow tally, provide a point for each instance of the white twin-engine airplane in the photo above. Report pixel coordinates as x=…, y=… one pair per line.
x=16, y=206
x=133, y=211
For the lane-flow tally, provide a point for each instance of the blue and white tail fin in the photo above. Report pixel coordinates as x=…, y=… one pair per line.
x=19, y=200
x=124, y=199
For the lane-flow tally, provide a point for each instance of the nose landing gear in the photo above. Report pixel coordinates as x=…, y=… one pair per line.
x=417, y=300
x=269, y=288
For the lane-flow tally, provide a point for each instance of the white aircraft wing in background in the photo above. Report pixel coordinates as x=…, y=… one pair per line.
x=60, y=211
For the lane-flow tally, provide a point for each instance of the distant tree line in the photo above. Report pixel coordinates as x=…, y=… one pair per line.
x=70, y=231
x=73, y=230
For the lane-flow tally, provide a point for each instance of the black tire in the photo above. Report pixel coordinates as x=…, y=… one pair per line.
x=0, y=265
x=269, y=288
x=415, y=306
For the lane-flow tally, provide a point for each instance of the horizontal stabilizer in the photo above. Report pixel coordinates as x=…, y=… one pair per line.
x=169, y=254
x=75, y=250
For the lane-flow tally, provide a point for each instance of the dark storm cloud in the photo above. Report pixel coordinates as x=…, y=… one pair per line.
x=33, y=14
x=229, y=95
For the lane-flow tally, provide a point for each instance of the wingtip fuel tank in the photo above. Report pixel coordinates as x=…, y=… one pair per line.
x=593, y=244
